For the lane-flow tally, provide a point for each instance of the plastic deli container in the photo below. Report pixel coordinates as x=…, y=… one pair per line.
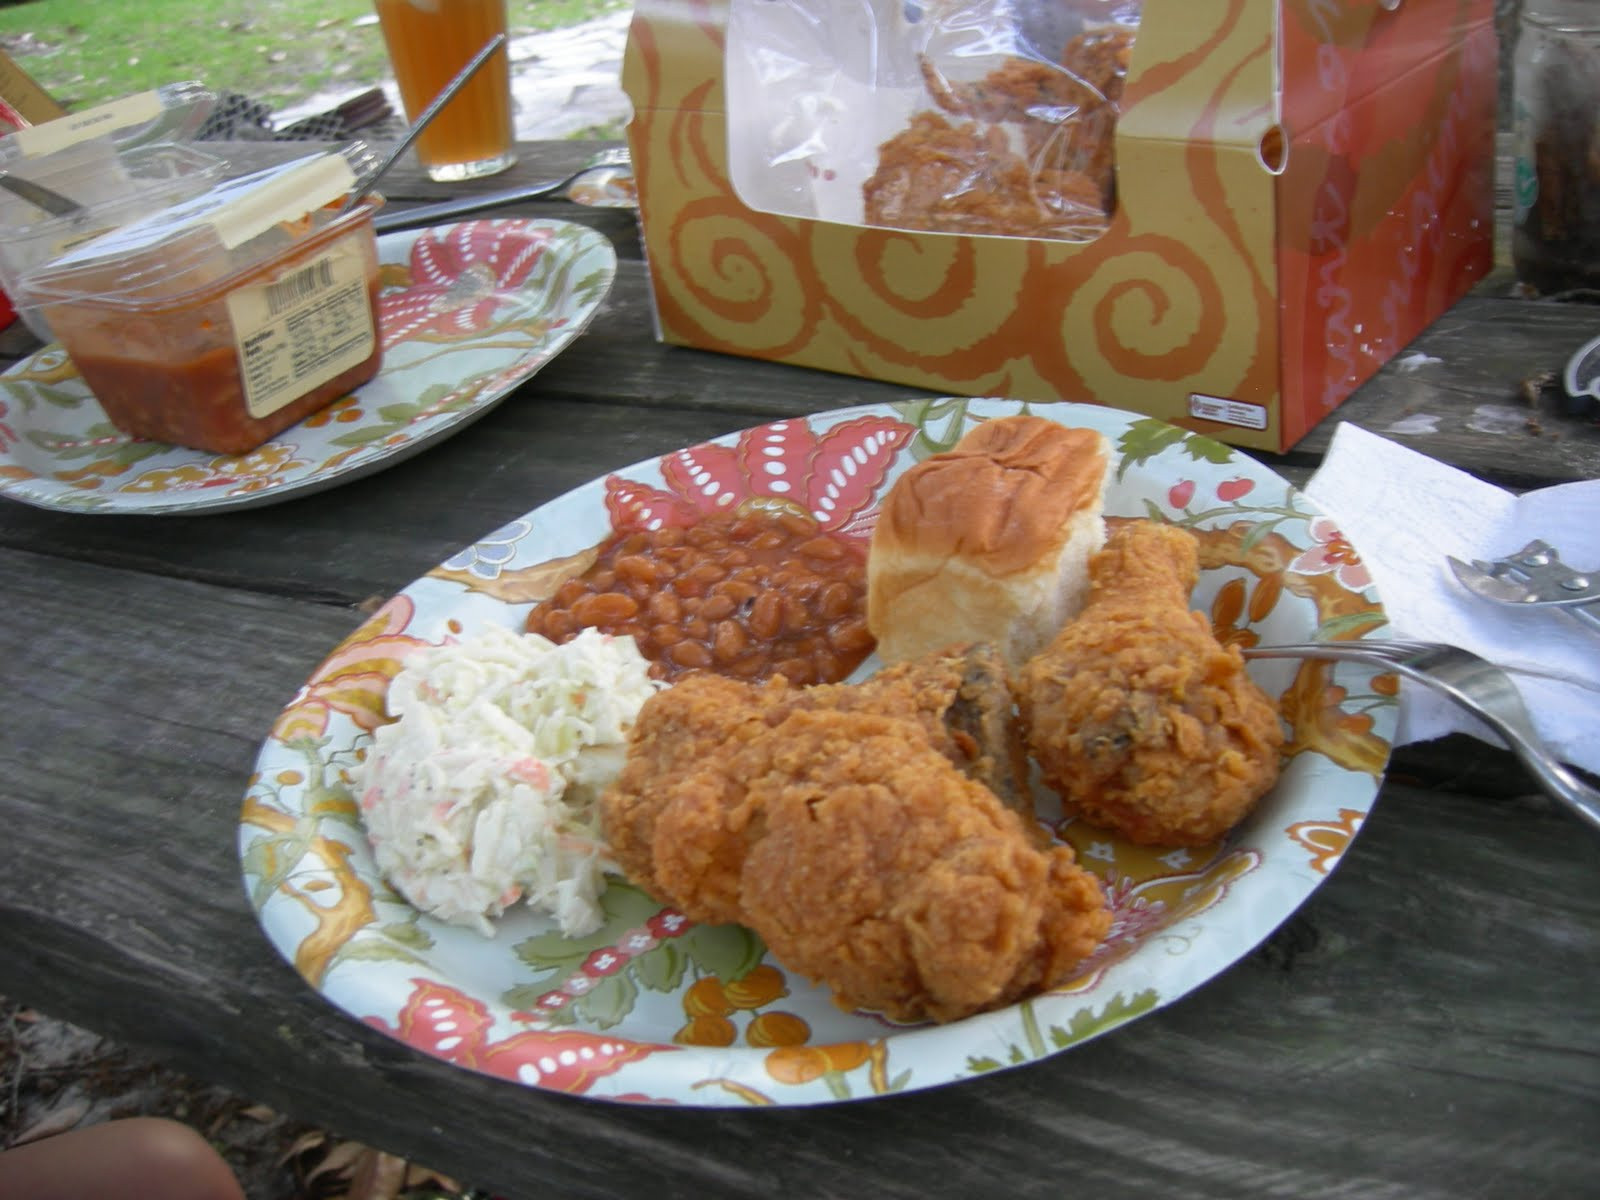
x=220, y=322
x=118, y=161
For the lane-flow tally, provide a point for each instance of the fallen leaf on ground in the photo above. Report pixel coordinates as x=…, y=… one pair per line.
x=56, y=1121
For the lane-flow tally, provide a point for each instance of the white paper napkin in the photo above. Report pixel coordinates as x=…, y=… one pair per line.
x=1404, y=513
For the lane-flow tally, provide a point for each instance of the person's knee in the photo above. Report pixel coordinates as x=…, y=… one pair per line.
x=137, y=1158
x=187, y=1164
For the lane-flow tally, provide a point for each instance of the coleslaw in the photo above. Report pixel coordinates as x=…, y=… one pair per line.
x=484, y=790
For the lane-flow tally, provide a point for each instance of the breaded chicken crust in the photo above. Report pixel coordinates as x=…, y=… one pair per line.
x=678, y=731
x=960, y=701
x=1142, y=721
x=852, y=828
x=1067, y=112
x=868, y=863
x=964, y=178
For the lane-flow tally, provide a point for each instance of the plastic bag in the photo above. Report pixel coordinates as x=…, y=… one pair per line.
x=988, y=118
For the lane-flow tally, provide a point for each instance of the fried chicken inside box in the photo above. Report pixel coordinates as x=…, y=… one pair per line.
x=993, y=117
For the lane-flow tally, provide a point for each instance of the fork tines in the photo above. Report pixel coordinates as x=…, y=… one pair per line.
x=1536, y=577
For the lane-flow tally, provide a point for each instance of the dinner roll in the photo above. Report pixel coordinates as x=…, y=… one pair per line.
x=989, y=541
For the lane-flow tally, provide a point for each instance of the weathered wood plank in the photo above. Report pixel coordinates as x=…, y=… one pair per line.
x=1481, y=406
x=1420, y=1029
x=372, y=536
x=614, y=398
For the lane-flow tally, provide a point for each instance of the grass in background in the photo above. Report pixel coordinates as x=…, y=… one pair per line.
x=280, y=52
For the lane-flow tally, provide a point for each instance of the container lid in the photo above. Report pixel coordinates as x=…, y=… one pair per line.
x=207, y=239
x=173, y=112
x=235, y=211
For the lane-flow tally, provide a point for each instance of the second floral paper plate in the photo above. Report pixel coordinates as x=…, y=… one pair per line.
x=467, y=312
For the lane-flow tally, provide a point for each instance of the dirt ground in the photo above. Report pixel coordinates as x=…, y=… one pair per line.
x=55, y=1077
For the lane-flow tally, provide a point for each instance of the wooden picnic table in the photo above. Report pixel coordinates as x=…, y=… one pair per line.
x=1422, y=1027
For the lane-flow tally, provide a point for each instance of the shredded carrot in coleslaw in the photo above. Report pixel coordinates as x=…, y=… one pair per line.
x=485, y=787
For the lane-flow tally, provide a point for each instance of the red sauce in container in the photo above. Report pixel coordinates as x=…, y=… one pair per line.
x=219, y=342
x=200, y=401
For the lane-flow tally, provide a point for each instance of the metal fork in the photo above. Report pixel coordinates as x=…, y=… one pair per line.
x=1474, y=683
x=1533, y=577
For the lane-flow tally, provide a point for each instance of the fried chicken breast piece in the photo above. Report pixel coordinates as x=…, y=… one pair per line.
x=1067, y=112
x=678, y=730
x=870, y=864
x=947, y=178
x=1141, y=720
x=959, y=702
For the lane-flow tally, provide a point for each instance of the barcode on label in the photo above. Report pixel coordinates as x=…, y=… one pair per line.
x=293, y=289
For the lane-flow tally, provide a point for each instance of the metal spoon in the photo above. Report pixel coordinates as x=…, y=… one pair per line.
x=431, y=214
x=370, y=180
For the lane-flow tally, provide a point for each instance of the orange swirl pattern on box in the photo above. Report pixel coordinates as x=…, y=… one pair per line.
x=1268, y=251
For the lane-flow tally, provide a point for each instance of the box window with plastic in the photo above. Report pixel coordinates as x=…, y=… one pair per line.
x=989, y=118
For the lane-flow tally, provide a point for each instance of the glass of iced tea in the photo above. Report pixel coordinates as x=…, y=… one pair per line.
x=429, y=41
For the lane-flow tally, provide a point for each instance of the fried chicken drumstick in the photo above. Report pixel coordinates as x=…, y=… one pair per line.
x=1136, y=714
x=851, y=827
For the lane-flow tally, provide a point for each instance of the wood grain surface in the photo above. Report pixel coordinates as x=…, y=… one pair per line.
x=1422, y=1028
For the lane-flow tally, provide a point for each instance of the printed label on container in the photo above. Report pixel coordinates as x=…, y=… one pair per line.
x=303, y=328
x=98, y=121
x=1229, y=412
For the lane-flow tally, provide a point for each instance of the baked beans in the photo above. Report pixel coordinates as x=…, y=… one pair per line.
x=743, y=594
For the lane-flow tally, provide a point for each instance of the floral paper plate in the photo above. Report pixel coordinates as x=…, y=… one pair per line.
x=656, y=1010
x=467, y=313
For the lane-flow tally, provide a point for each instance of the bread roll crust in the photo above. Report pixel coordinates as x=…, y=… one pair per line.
x=1001, y=499
x=988, y=541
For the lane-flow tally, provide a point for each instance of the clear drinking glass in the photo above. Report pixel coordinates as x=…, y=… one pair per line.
x=429, y=41
x=1556, y=115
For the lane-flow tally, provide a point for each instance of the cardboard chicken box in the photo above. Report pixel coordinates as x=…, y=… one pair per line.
x=1228, y=216
x=22, y=101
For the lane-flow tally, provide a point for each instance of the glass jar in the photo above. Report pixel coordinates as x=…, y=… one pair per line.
x=1556, y=126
